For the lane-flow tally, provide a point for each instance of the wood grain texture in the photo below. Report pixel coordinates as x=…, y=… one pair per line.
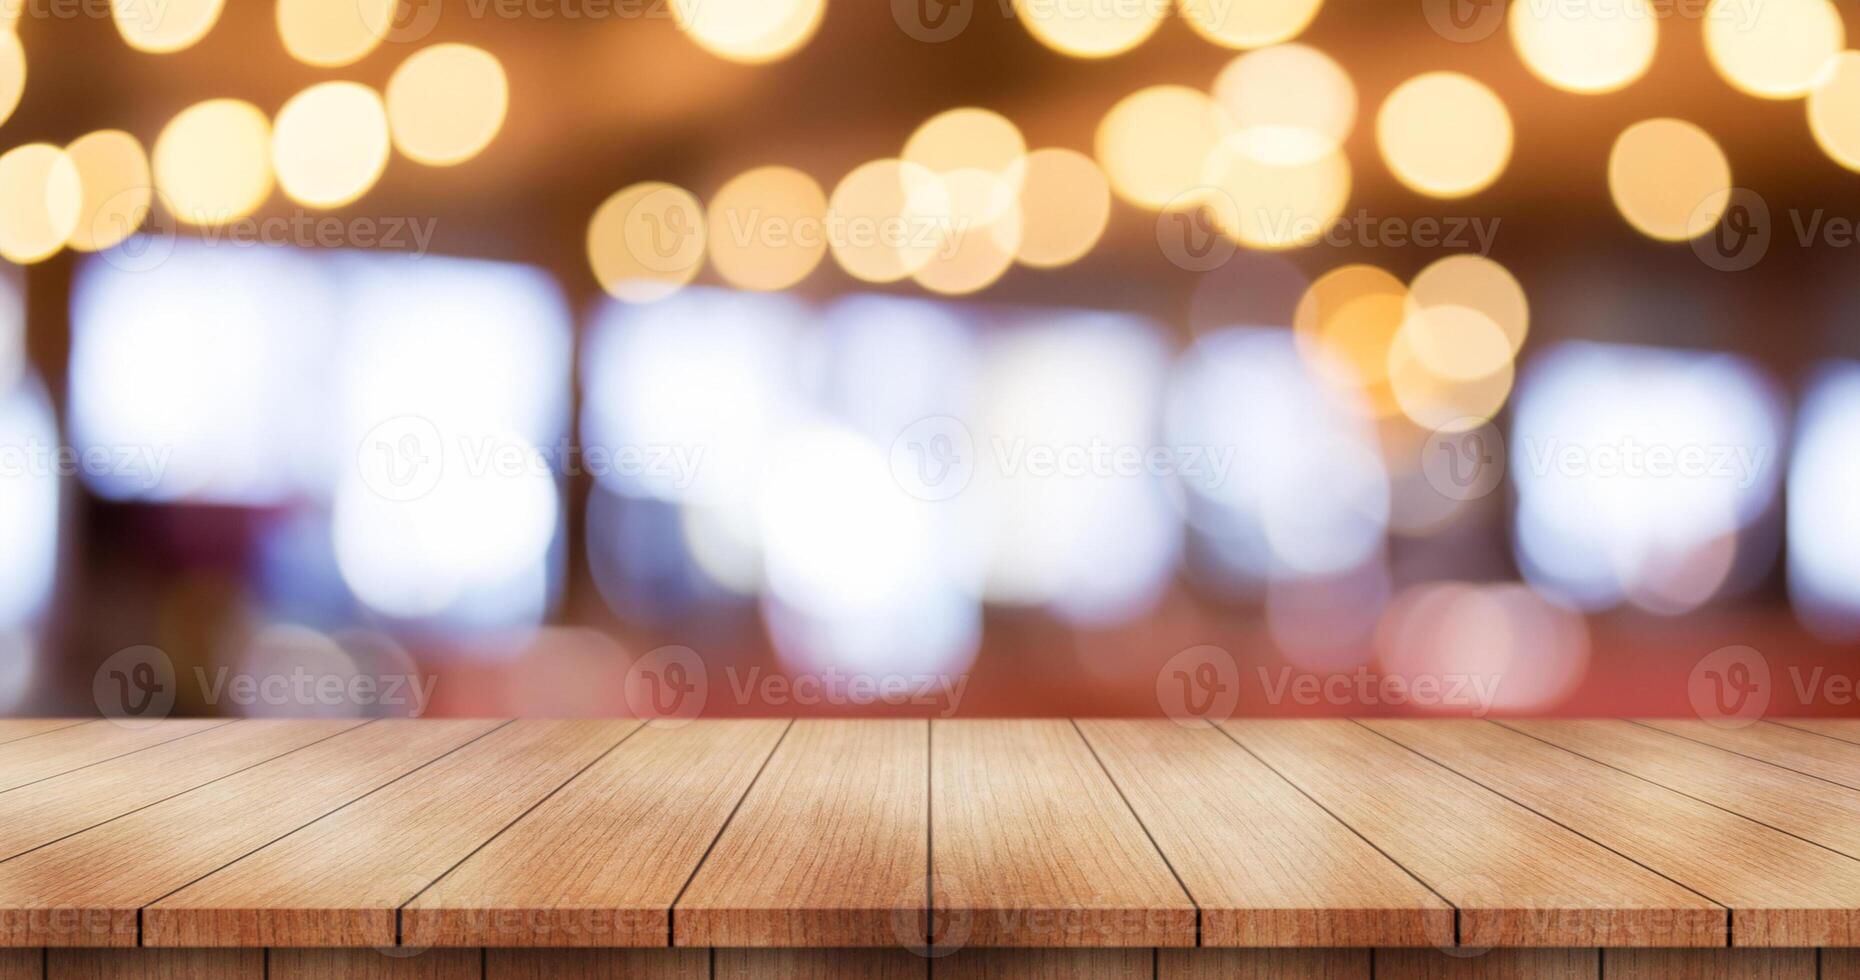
x=1783, y=891
x=1808, y=807
x=341, y=880
x=1263, y=964
x=1517, y=878
x=1266, y=866
x=1840, y=964
x=86, y=890
x=32, y=816
x=1702, y=964
x=369, y=964
x=13, y=729
x=830, y=848
x=597, y=964
x=814, y=964
x=155, y=964
x=22, y=964
x=1845, y=729
x=29, y=760
x=1046, y=964
x=1490, y=964
x=1032, y=846
x=601, y=861
x=1805, y=752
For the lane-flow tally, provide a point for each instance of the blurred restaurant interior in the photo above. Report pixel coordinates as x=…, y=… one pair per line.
x=1031, y=343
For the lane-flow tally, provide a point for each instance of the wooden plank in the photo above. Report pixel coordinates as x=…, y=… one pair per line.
x=1517, y=878
x=341, y=880
x=86, y=890
x=1046, y=964
x=22, y=964
x=1487, y=964
x=1782, y=891
x=13, y=729
x=32, y=816
x=1805, y=752
x=1845, y=729
x=601, y=861
x=1708, y=964
x=155, y=964
x=372, y=964
x=830, y=848
x=32, y=759
x=1810, y=808
x=1032, y=845
x=1266, y=866
x=1263, y=964
x=813, y=964
x=1840, y=964
x=597, y=964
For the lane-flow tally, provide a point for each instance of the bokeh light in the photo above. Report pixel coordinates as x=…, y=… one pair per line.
x=330, y=35
x=1525, y=653
x=1834, y=110
x=1273, y=206
x=1475, y=283
x=1669, y=179
x=767, y=228
x=330, y=143
x=1824, y=525
x=1307, y=495
x=1437, y=400
x=1090, y=28
x=1466, y=319
x=12, y=73
x=165, y=27
x=1636, y=469
x=749, y=31
x=1777, y=49
x=1065, y=204
x=969, y=138
x=1248, y=25
x=29, y=506
x=1153, y=144
x=113, y=172
x=1444, y=134
x=445, y=103
x=40, y=198
x=1288, y=104
x=887, y=219
x=212, y=162
x=979, y=241
x=1345, y=323
x=1586, y=46
x=646, y=241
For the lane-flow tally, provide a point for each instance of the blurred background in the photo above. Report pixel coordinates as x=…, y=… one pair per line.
x=929, y=357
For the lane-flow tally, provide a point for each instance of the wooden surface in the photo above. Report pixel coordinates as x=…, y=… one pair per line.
x=587, y=848
x=1031, y=845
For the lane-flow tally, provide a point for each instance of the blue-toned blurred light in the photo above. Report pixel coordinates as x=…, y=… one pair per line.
x=204, y=377
x=28, y=506
x=1306, y=493
x=1095, y=545
x=1636, y=470
x=1824, y=505
x=454, y=384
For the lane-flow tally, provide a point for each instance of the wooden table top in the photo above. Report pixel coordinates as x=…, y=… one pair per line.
x=982, y=833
